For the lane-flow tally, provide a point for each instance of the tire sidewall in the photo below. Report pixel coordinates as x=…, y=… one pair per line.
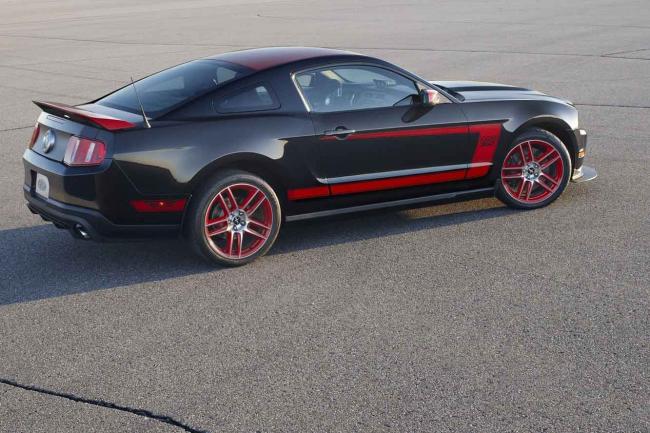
x=196, y=216
x=543, y=135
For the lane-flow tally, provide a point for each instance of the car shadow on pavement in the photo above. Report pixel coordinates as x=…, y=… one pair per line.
x=41, y=262
x=304, y=235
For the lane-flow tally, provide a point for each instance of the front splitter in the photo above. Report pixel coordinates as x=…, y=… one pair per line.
x=584, y=174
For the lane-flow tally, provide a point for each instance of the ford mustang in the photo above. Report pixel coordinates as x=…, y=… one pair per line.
x=223, y=150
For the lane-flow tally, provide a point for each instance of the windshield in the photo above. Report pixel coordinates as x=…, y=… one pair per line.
x=173, y=87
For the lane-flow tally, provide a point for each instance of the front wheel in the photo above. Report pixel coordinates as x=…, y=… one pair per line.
x=535, y=170
x=234, y=219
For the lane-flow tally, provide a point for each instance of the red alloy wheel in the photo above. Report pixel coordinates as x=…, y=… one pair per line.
x=238, y=221
x=532, y=171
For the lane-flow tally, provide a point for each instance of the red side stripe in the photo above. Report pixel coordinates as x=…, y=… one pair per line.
x=475, y=172
x=486, y=145
x=396, y=182
x=305, y=193
x=376, y=185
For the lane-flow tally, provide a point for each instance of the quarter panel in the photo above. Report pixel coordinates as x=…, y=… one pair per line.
x=166, y=159
x=516, y=116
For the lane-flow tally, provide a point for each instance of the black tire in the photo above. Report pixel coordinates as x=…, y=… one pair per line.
x=505, y=186
x=213, y=197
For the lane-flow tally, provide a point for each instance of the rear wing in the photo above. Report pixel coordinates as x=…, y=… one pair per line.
x=80, y=115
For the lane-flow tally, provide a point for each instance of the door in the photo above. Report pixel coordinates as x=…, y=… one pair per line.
x=374, y=133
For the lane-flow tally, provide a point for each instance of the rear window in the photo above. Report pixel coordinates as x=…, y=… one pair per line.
x=173, y=87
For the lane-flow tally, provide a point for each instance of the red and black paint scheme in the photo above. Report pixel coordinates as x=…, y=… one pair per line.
x=110, y=174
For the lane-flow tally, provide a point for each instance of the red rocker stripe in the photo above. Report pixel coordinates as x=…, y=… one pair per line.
x=396, y=182
x=486, y=145
x=305, y=193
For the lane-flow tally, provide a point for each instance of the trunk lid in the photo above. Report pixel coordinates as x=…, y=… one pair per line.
x=58, y=122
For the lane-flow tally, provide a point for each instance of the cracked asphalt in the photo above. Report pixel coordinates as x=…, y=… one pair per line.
x=466, y=317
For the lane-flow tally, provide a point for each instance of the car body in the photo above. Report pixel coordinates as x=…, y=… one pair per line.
x=322, y=127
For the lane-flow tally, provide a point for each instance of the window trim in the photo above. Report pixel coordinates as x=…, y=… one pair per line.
x=247, y=72
x=276, y=101
x=413, y=78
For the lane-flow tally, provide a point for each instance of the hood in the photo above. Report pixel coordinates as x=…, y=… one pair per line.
x=471, y=91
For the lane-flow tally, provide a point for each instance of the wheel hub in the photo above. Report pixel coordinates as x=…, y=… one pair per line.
x=238, y=220
x=532, y=171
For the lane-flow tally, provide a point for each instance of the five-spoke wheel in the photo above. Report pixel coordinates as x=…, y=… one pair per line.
x=238, y=220
x=535, y=170
x=235, y=218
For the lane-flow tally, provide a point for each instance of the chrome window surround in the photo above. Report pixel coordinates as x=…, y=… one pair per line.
x=332, y=65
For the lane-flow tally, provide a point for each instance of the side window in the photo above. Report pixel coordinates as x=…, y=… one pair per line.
x=343, y=88
x=254, y=98
x=223, y=74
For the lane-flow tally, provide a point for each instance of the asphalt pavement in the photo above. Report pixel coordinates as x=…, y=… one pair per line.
x=467, y=317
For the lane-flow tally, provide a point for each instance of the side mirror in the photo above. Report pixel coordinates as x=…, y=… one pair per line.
x=430, y=97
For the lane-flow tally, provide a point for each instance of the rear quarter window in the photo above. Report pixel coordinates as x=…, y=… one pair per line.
x=258, y=97
x=174, y=87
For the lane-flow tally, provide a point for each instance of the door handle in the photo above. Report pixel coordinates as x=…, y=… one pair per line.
x=341, y=132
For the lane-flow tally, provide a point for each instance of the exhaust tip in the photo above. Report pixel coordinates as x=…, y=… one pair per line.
x=81, y=231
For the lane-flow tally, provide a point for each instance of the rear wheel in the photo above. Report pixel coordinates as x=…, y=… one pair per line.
x=535, y=170
x=234, y=219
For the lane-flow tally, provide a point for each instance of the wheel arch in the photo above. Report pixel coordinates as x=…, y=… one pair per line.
x=555, y=126
x=256, y=164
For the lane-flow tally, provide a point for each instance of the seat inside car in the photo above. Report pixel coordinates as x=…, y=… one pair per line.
x=325, y=92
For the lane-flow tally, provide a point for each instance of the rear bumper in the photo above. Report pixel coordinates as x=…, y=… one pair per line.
x=97, y=226
x=94, y=199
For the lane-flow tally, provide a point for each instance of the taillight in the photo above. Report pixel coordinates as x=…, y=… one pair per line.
x=35, y=132
x=81, y=151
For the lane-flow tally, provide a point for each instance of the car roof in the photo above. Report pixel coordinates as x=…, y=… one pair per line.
x=260, y=59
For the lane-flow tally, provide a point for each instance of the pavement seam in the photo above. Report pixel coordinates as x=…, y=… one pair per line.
x=481, y=22
x=44, y=92
x=625, y=52
x=16, y=128
x=105, y=404
x=239, y=46
x=65, y=74
x=485, y=51
x=106, y=41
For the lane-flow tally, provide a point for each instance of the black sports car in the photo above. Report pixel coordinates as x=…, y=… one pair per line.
x=224, y=149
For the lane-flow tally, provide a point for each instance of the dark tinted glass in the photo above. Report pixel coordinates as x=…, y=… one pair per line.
x=344, y=88
x=173, y=87
x=254, y=98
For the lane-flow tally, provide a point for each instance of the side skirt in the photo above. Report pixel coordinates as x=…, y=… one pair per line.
x=473, y=193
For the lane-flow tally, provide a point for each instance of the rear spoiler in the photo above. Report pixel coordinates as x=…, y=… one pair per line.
x=84, y=116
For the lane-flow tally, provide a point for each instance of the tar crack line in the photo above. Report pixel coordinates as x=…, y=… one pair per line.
x=106, y=404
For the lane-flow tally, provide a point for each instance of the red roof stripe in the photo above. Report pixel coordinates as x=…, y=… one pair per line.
x=264, y=58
